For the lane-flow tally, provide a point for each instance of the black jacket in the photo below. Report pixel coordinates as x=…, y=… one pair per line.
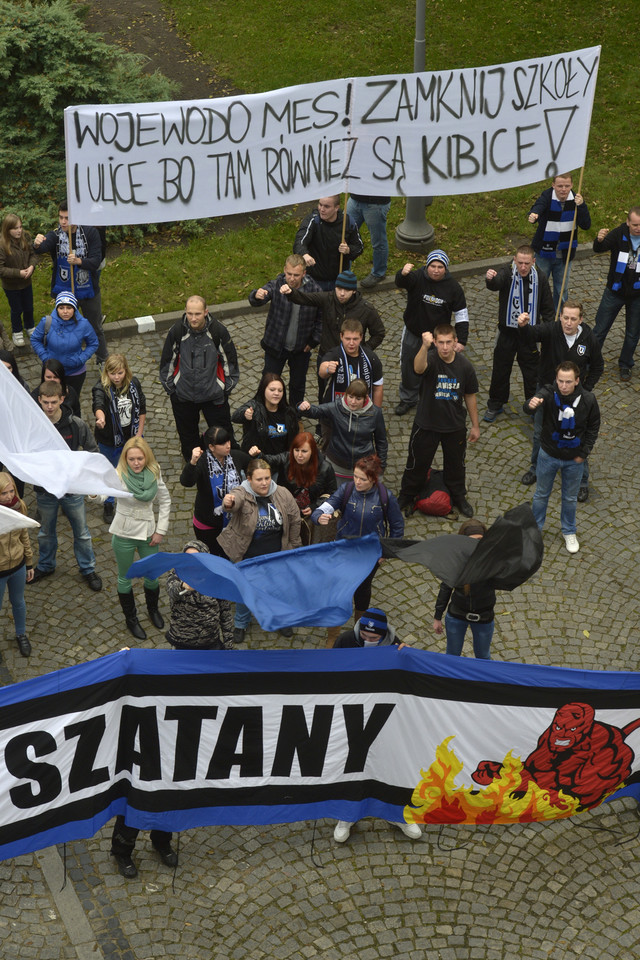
x=101, y=402
x=502, y=283
x=321, y=240
x=587, y=422
x=334, y=313
x=431, y=302
x=325, y=482
x=198, y=476
x=585, y=352
x=542, y=206
x=256, y=430
x=476, y=599
x=189, y=362
x=615, y=241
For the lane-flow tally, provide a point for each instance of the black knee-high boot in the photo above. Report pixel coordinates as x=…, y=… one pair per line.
x=128, y=604
x=152, y=596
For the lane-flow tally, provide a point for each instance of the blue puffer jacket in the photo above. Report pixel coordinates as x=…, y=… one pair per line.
x=362, y=513
x=71, y=342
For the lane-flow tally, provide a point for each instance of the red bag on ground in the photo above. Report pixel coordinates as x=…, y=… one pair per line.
x=435, y=499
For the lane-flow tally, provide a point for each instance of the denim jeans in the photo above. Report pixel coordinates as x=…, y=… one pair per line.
x=553, y=269
x=113, y=455
x=482, y=635
x=571, y=476
x=16, y=581
x=72, y=505
x=610, y=306
x=537, y=434
x=375, y=217
x=243, y=616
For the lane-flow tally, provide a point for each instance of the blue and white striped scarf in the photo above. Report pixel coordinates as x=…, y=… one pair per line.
x=623, y=262
x=516, y=304
x=558, y=227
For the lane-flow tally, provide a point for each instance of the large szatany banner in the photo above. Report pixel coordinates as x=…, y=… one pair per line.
x=456, y=131
x=181, y=739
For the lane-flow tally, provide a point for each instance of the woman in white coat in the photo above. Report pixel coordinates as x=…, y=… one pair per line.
x=134, y=528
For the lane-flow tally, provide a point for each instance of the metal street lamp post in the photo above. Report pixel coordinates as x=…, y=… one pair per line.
x=415, y=232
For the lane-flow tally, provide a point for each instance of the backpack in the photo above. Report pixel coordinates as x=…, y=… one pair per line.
x=435, y=499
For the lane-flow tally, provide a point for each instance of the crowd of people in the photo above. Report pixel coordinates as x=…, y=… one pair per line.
x=264, y=483
x=315, y=304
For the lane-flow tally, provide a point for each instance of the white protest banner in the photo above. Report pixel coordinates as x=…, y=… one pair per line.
x=451, y=132
x=33, y=450
x=179, y=739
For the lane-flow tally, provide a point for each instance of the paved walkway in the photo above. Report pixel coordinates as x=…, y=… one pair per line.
x=567, y=890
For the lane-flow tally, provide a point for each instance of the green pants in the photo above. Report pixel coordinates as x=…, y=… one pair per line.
x=125, y=551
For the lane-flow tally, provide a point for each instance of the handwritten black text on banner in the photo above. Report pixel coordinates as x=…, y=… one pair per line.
x=457, y=131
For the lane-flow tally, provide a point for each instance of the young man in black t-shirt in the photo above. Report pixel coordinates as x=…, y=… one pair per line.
x=447, y=393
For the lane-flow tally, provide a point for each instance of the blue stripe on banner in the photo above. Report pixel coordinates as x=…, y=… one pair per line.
x=177, y=739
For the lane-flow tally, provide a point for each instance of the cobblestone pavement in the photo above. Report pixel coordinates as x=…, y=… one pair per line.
x=564, y=890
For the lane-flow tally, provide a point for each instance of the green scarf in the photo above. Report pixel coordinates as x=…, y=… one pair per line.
x=143, y=486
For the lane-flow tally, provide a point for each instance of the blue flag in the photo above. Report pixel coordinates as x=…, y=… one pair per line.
x=311, y=586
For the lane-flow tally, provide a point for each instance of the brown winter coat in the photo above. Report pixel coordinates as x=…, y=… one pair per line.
x=15, y=546
x=236, y=537
x=14, y=260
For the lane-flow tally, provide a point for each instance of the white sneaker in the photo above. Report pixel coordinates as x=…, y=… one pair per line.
x=571, y=542
x=342, y=831
x=411, y=830
x=18, y=339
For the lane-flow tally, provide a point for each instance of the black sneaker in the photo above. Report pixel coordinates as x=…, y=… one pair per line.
x=126, y=866
x=407, y=504
x=23, y=644
x=286, y=631
x=528, y=478
x=464, y=507
x=583, y=493
x=403, y=407
x=625, y=374
x=108, y=512
x=168, y=855
x=39, y=574
x=238, y=635
x=93, y=580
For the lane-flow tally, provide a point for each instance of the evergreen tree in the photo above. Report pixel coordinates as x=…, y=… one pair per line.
x=49, y=61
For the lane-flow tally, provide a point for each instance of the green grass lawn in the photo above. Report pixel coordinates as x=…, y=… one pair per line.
x=260, y=46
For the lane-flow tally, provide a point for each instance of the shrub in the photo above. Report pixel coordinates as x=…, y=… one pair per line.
x=48, y=61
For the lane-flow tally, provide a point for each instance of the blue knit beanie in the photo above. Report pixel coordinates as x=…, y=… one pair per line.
x=347, y=280
x=66, y=297
x=438, y=255
x=374, y=620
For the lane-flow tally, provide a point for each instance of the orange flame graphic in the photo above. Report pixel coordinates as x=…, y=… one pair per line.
x=437, y=800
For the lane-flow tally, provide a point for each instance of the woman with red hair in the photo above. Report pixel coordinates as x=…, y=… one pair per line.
x=307, y=475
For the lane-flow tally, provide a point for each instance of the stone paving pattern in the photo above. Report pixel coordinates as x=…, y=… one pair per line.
x=564, y=890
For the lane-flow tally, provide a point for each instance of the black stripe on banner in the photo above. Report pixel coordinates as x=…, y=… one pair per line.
x=162, y=801
x=402, y=682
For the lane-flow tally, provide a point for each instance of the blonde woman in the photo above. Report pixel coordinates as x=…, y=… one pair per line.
x=135, y=529
x=16, y=563
x=120, y=409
